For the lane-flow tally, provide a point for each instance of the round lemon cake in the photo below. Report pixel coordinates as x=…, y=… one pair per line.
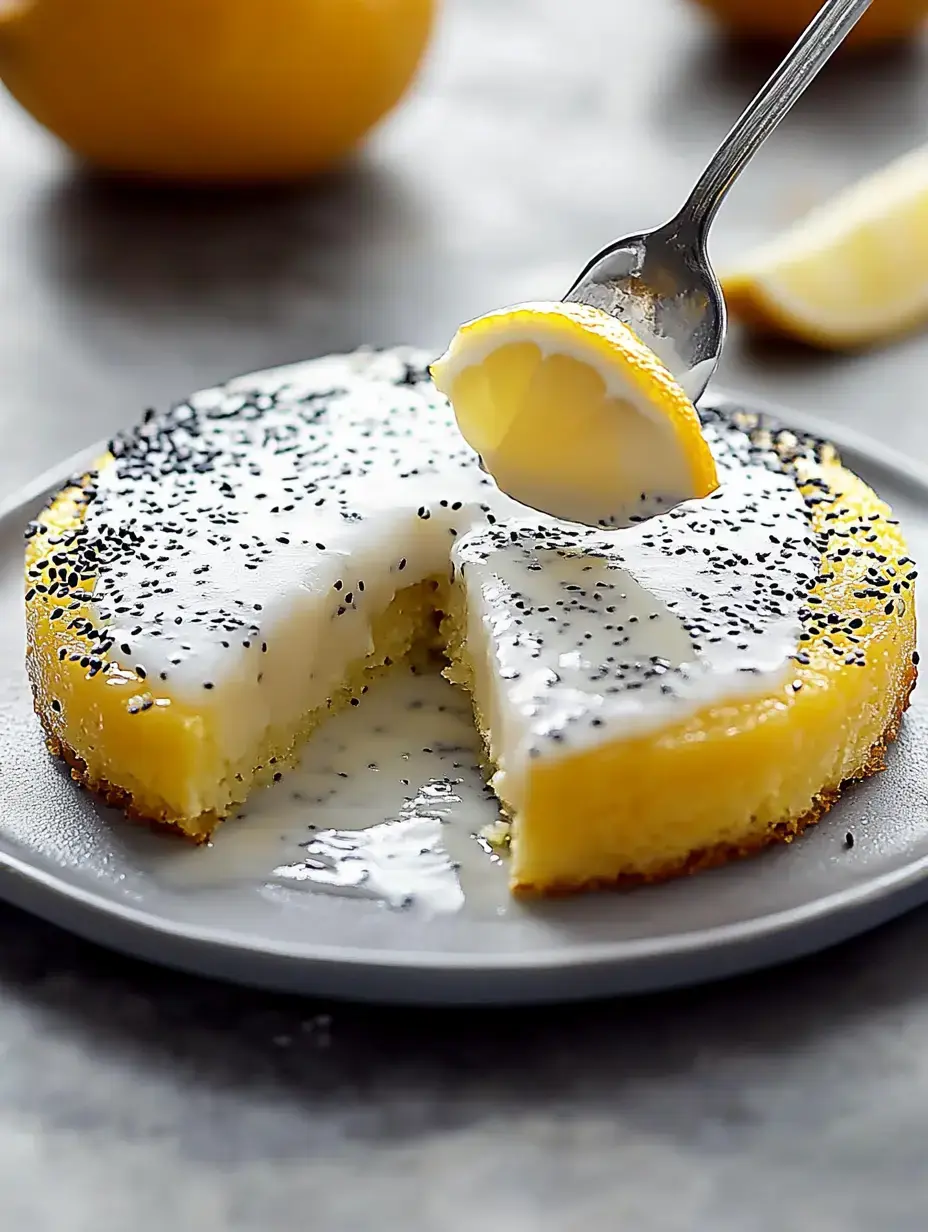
x=653, y=699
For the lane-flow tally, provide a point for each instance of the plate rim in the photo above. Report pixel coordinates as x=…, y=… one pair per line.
x=579, y=956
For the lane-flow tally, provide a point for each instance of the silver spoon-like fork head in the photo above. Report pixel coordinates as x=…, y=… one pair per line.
x=661, y=282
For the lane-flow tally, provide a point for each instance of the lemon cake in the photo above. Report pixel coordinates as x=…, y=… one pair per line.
x=653, y=699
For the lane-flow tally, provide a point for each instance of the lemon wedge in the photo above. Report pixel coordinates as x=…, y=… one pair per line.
x=573, y=415
x=853, y=272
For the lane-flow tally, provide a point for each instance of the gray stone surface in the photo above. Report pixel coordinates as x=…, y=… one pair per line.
x=134, y=1098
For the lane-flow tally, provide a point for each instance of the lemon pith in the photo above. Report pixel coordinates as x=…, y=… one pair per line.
x=853, y=272
x=573, y=414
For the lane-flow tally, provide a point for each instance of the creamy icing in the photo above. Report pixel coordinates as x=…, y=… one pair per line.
x=594, y=636
x=258, y=529
x=244, y=541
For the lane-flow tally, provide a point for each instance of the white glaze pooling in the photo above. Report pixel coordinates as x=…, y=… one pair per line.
x=387, y=803
x=594, y=637
x=244, y=542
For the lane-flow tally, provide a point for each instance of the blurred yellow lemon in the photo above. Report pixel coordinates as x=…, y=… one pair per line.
x=851, y=273
x=781, y=21
x=211, y=89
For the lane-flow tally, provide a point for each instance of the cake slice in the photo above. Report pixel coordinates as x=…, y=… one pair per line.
x=238, y=568
x=652, y=699
x=665, y=699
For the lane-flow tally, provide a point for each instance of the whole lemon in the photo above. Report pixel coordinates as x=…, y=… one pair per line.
x=782, y=21
x=211, y=89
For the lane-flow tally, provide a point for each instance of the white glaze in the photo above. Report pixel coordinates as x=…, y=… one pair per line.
x=377, y=451
x=304, y=603
x=594, y=637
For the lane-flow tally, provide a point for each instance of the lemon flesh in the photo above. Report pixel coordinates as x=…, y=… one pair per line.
x=851, y=273
x=573, y=415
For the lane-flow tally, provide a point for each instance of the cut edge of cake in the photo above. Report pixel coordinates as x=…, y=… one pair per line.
x=553, y=851
x=405, y=630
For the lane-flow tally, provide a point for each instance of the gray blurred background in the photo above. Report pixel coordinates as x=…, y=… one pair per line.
x=134, y=1098
x=539, y=131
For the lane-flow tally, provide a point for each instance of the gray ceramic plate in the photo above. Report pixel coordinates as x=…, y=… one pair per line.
x=65, y=858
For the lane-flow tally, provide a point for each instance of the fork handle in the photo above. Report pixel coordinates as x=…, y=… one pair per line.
x=821, y=37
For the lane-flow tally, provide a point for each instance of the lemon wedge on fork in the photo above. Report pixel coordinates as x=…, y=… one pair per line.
x=573, y=415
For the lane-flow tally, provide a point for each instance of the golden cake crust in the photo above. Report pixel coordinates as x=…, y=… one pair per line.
x=197, y=830
x=698, y=861
x=782, y=832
